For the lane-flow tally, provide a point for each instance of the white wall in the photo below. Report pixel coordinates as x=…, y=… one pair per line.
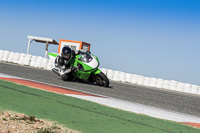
x=42, y=63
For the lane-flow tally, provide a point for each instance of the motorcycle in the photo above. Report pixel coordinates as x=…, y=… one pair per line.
x=86, y=68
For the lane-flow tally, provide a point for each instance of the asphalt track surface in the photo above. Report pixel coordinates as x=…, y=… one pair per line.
x=165, y=99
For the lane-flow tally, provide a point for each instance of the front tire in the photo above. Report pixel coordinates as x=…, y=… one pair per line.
x=101, y=79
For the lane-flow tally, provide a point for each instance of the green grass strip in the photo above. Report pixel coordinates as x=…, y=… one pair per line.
x=81, y=115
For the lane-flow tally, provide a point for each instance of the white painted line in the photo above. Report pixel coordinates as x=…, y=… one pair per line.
x=129, y=106
x=141, y=109
x=9, y=76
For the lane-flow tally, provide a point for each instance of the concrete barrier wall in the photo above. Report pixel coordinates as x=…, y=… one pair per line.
x=42, y=63
x=27, y=60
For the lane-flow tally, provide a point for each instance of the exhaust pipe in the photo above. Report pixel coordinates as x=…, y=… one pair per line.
x=67, y=71
x=63, y=73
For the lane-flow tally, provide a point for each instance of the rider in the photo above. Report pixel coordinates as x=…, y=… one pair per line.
x=62, y=63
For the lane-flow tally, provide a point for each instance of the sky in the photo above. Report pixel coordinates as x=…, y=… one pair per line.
x=152, y=38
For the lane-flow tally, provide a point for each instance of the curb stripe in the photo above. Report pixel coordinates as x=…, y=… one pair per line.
x=64, y=91
x=50, y=88
x=192, y=124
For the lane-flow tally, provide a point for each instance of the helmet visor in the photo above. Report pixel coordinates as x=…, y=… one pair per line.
x=67, y=56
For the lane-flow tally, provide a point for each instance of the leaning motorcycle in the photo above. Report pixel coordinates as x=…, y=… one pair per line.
x=87, y=69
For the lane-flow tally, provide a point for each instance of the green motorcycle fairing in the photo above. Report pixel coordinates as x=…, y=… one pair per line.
x=85, y=63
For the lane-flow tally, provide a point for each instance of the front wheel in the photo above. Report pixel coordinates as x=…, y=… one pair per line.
x=101, y=79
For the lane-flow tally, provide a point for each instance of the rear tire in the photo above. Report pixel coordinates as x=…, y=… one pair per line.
x=101, y=79
x=65, y=77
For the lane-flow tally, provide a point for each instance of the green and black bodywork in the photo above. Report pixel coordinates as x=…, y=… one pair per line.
x=86, y=66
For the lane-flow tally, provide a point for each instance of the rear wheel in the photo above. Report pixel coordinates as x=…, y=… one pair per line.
x=101, y=79
x=65, y=77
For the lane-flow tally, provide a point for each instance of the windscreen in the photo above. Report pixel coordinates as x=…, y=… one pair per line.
x=86, y=57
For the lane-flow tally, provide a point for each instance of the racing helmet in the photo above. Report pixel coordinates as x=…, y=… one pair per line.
x=66, y=53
